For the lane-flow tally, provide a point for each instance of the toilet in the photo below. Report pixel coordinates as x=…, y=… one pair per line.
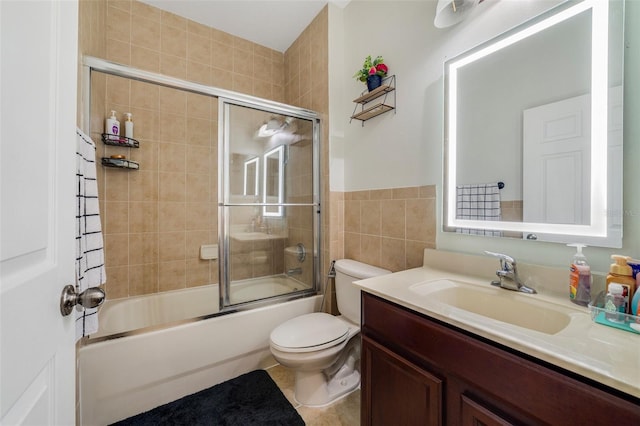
x=322, y=349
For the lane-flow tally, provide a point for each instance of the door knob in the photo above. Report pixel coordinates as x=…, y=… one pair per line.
x=90, y=298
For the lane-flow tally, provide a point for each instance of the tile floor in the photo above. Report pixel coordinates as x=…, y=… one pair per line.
x=344, y=412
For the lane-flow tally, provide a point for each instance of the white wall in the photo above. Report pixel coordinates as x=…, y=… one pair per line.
x=405, y=149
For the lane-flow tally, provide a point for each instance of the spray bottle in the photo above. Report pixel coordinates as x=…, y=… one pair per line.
x=579, y=277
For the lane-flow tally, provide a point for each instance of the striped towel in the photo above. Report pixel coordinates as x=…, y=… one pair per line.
x=90, y=271
x=478, y=202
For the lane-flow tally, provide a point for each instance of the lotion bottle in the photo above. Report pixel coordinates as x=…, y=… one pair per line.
x=579, y=277
x=128, y=125
x=621, y=273
x=112, y=127
x=614, y=303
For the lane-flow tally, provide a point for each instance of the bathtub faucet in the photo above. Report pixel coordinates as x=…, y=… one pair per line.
x=294, y=271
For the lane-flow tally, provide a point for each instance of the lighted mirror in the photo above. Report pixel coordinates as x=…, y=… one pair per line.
x=273, y=181
x=252, y=176
x=533, y=129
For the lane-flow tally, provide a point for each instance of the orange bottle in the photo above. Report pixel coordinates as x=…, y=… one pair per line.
x=621, y=273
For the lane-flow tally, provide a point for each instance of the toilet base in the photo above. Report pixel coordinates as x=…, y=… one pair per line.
x=313, y=389
x=320, y=388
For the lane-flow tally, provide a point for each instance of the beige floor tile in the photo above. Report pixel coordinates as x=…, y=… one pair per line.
x=284, y=378
x=344, y=412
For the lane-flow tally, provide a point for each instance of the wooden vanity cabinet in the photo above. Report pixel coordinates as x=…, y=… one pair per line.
x=419, y=371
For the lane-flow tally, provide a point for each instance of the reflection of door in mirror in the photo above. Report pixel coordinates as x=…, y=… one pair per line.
x=557, y=162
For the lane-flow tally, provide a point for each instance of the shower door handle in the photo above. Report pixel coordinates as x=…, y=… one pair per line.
x=90, y=298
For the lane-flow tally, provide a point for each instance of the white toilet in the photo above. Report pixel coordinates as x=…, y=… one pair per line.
x=324, y=350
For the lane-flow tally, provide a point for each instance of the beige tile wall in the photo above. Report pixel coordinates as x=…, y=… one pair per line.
x=512, y=211
x=389, y=228
x=155, y=219
x=307, y=85
x=154, y=40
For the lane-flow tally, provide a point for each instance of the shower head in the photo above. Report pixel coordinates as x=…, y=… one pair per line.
x=274, y=125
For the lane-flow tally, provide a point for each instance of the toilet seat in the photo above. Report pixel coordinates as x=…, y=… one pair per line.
x=308, y=333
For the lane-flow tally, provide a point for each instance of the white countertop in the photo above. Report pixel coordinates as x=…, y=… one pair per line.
x=604, y=354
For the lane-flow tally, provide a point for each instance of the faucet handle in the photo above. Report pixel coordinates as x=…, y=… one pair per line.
x=502, y=257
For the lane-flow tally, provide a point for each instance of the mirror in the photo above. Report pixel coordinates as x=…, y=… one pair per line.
x=533, y=129
x=273, y=181
x=251, y=176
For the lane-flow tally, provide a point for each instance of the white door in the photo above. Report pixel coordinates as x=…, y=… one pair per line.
x=38, y=54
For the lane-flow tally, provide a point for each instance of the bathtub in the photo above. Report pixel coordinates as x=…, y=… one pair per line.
x=139, y=312
x=124, y=376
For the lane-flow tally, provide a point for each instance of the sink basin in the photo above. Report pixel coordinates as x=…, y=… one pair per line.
x=498, y=304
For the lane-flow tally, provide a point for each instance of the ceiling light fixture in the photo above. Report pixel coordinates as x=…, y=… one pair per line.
x=450, y=12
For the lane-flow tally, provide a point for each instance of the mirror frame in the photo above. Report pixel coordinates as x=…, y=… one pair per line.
x=599, y=93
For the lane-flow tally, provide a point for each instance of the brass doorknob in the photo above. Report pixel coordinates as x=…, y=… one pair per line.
x=90, y=298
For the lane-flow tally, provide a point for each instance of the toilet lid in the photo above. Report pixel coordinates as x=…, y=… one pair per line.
x=309, y=332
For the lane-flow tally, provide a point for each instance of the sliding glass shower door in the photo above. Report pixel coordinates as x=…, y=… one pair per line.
x=269, y=215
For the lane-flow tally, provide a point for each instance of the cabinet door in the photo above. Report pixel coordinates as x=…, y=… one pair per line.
x=475, y=414
x=397, y=392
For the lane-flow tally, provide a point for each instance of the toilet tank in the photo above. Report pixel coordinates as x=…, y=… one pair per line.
x=347, y=294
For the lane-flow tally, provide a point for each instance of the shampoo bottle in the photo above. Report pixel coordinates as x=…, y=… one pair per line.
x=579, y=277
x=128, y=125
x=621, y=273
x=112, y=127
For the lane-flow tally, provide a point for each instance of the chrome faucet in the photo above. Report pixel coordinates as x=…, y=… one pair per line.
x=508, y=274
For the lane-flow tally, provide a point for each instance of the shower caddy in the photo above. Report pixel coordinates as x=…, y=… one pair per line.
x=124, y=142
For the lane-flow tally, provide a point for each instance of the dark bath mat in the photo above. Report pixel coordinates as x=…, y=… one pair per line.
x=250, y=399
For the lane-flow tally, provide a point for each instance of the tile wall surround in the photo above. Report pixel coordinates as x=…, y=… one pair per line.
x=307, y=86
x=154, y=219
x=512, y=211
x=150, y=39
x=310, y=89
x=389, y=228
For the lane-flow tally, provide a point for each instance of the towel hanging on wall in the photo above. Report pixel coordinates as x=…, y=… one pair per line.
x=90, y=270
x=478, y=202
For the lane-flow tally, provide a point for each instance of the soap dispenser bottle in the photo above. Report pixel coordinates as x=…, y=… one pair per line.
x=112, y=127
x=579, y=277
x=128, y=125
x=621, y=273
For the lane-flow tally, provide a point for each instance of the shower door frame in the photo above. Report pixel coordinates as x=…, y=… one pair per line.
x=223, y=193
x=90, y=63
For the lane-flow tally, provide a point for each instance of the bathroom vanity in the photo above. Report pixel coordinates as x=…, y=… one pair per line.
x=426, y=360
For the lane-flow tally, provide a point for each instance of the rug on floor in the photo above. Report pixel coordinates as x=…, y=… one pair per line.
x=250, y=399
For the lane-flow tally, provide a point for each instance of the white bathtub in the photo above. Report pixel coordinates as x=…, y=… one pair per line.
x=124, y=315
x=125, y=376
